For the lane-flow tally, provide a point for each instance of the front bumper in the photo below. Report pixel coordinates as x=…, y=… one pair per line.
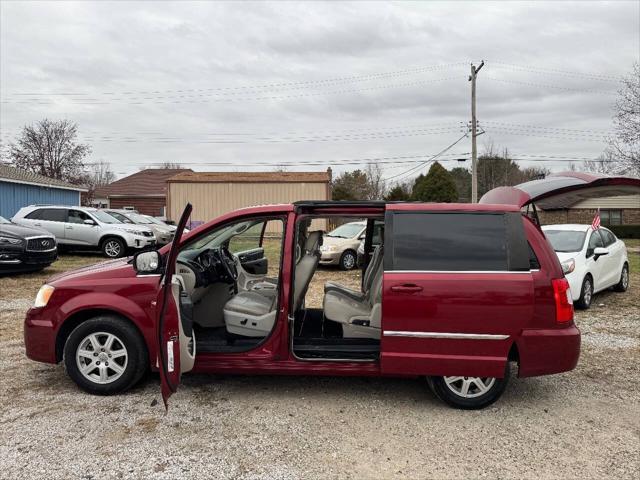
x=143, y=242
x=330, y=258
x=11, y=260
x=548, y=351
x=39, y=337
x=575, y=279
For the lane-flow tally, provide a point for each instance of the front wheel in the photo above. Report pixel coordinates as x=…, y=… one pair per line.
x=586, y=293
x=469, y=393
x=623, y=284
x=105, y=355
x=113, y=247
x=348, y=260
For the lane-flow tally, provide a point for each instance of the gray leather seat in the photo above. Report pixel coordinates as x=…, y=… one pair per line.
x=359, y=317
x=367, y=280
x=306, y=267
x=252, y=314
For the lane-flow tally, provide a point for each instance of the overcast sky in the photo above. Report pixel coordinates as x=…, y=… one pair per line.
x=230, y=86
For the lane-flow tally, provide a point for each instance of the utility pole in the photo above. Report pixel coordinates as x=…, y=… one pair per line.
x=474, y=148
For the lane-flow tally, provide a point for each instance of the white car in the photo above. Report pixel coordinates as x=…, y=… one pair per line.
x=592, y=260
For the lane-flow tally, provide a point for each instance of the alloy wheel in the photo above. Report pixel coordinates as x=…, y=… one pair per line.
x=469, y=387
x=625, y=278
x=348, y=261
x=102, y=357
x=112, y=248
x=587, y=292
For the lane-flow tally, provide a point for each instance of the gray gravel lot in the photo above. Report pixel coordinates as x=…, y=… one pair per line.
x=583, y=424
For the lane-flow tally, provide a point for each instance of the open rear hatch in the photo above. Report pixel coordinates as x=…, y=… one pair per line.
x=561, y=190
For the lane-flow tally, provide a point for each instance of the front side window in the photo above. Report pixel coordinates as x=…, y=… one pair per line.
x=595, y=241
x=76, y=216
x=608, y=237
x=449, y=242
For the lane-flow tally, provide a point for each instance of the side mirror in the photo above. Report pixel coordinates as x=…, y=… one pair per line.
x=147, y=262
x=88, y=221
x=599, y=251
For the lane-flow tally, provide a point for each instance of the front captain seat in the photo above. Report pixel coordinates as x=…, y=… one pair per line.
x=251, y=314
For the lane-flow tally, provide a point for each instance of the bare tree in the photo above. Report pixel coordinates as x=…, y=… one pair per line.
x=376, y=183
x=171, y=165
x=624, y=147
x=50, y=148
x=99, y=175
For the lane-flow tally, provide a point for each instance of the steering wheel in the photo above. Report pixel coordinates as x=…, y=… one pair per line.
x=229, y=263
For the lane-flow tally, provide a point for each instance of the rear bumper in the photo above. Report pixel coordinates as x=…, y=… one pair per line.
x=39, y=337
x=548, y=351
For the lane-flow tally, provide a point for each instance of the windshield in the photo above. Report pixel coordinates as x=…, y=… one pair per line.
x=137, y=218
x=219, y=237
x=120, y=217
x=155, y=220
x=104, y=217
x=565, y=240
x=348, y=230
x=4, y=220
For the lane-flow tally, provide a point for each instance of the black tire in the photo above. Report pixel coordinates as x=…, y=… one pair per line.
x=113, y=247
x=348, y=260
x=586, y=293
x=129, y=338
x=455, y=400
x=623, y=284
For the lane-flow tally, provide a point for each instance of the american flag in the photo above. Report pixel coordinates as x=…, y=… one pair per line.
x=595, y=225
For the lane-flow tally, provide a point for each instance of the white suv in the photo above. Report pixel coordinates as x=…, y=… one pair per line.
x=88, y=228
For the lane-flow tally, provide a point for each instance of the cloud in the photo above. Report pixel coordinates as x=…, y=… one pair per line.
x=189, y=70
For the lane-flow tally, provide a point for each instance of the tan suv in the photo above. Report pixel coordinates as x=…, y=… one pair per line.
x=340, y=246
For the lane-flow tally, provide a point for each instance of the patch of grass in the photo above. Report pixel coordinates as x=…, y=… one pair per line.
x=26, y=285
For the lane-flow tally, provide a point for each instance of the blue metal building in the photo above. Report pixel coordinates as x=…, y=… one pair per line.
x=19, y=188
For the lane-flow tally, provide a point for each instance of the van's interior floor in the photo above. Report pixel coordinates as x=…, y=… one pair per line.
x=315, y=337
x=217, y=340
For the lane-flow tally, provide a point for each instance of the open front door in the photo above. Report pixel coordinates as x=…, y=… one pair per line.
x=170, y=332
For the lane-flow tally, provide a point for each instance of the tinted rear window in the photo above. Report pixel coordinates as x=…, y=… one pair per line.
x=449, y=241
x=49, y=214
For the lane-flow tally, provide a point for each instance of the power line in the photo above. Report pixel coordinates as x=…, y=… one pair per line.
x=508, y=124
x=152, y=100
x=434, y=157
x=554, y=71
x=304, y=83
x=559, y=87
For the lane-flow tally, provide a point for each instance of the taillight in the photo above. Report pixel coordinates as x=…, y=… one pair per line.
x=564, y=302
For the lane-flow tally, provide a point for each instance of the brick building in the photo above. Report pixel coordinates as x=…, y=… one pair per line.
x=144, y=191
x=617, y=210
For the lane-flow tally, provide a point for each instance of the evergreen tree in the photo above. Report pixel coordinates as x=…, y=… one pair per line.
x=436, y=186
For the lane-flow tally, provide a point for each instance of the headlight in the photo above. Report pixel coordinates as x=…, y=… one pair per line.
x=568, y=266
x=10, y=240
x=328, y=248
x=135, y=232
x=43, y=296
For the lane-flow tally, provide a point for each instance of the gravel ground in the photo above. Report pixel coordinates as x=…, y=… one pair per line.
x=583, y=424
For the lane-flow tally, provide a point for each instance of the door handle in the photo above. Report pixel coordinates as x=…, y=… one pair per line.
x=407, y=288
x=37, y=224
x=69, y=227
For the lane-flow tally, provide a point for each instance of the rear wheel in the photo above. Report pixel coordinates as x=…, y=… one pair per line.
x=623, y=284
x=113, y=247
x=586, y=293
x=348, y=260
x=469, y=393
x=105, y=355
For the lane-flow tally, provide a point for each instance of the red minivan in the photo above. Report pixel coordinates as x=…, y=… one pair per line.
x=453, y=293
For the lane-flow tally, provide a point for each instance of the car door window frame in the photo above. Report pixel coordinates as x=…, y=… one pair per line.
x=591, y=249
